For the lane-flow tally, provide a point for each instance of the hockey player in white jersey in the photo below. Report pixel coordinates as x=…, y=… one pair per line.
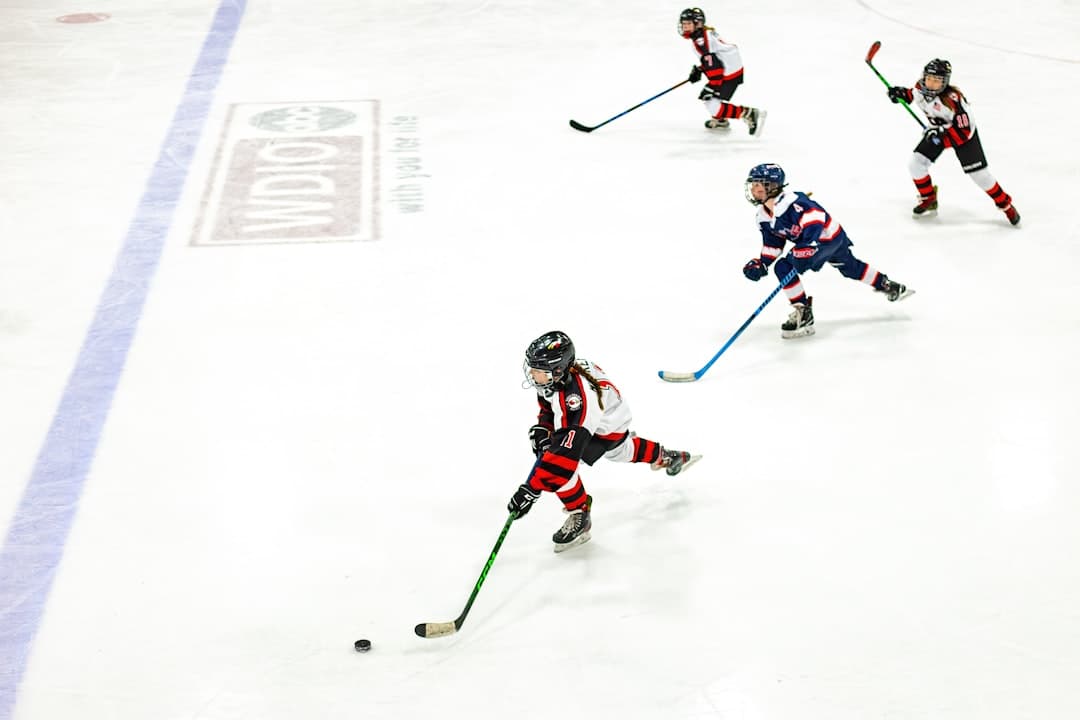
x=950, y=126
x=582, y=418
x=721, y=64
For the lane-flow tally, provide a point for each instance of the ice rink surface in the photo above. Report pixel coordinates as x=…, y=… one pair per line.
x=229, y=452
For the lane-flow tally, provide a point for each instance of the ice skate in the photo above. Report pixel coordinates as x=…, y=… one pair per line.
x=1014, y=217
x=755, y=120
x=717, y=124
x=801, y=321
x=893, y=290
x=575, y=531
x=674, y=461
x=927, y=206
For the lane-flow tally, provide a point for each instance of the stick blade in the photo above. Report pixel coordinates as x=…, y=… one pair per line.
x=678, y=377
x=873, y=51
x=434, y=630
x=583, y=128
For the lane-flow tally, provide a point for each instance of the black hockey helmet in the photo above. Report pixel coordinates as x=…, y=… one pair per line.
x=553, y=353
x=695, y=15
x=941, y=69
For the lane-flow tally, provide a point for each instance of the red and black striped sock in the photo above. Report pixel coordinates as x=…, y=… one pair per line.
x=925, y=187
x=645, y=450
x=999, y=196
x=575, y=497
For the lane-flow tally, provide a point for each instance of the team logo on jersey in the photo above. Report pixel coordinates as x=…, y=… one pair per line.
x=699, y=41
x=789, y=232
x=804, y=252
x=573, y=402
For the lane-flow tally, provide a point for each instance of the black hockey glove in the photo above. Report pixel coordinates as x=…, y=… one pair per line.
x=523, y=500
x=933, y=134
x=695, y=74
x=755, y=269
x=540, y=439
x=898, y=93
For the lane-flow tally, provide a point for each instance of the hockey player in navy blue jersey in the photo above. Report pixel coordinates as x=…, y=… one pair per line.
x=721, y=64
x=583, y=417
x=951, y=126
x=816, y=237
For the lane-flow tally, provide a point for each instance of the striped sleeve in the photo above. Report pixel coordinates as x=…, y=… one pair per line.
x=816, y=224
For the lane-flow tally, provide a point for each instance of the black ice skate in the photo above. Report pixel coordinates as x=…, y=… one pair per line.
x=1014, y=217
x=893, y=290
x=755, y=120
x=717, y=124
x=674, y=461
x=801, y=321
x=927, y=206
x=575, y=530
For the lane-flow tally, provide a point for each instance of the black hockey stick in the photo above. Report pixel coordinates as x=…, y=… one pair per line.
x=692, y=376
x=432, y=630
x=870, y=61
x=585, y=128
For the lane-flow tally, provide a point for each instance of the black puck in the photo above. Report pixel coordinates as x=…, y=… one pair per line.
x=362, y=645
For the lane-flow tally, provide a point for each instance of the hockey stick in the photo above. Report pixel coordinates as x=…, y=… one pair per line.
x=870, y=61
x=691, y=377
x=585, y=128
x=433, y=630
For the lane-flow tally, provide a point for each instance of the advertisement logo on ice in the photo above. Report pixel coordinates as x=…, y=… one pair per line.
x=293, y=173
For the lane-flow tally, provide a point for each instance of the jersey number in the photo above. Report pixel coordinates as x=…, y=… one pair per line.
x=568, y=441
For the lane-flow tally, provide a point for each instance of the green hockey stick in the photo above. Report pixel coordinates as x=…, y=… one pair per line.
x=433, y=630
x=870, y=61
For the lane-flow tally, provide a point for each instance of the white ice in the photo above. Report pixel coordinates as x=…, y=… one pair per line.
x=313, y=443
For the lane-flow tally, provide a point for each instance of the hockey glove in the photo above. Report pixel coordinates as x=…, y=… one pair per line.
x=523, y=500
x=934, y=134
x=540, y=439
x=755, y=269
x=695, y=74
x=897, y=93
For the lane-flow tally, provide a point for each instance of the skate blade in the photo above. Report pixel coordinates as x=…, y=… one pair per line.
x=904, y=295
x=928, y=213
x=685, y=466
x=579, y=540
x=760, y=123
x=801, y=332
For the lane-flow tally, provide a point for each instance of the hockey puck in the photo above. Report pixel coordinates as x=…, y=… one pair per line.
x=362, y=645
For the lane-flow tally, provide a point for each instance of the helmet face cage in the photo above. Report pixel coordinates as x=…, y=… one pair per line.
x=771, y=176
x=941, y=69
x=694, y=15
x=552, y=353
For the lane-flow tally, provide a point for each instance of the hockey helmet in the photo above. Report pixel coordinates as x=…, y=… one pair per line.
x=693, y=15
x=938, y=68
x=552, y=355
x=771, y=176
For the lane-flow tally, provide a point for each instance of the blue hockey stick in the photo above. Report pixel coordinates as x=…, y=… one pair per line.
x=588, y=129
x=691, y=377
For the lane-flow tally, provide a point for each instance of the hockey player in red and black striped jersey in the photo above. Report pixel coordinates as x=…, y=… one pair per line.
x=583, y=417
x=721, y=64
x=951, y=126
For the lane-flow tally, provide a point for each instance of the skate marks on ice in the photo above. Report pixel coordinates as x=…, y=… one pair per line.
x=965, y=38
